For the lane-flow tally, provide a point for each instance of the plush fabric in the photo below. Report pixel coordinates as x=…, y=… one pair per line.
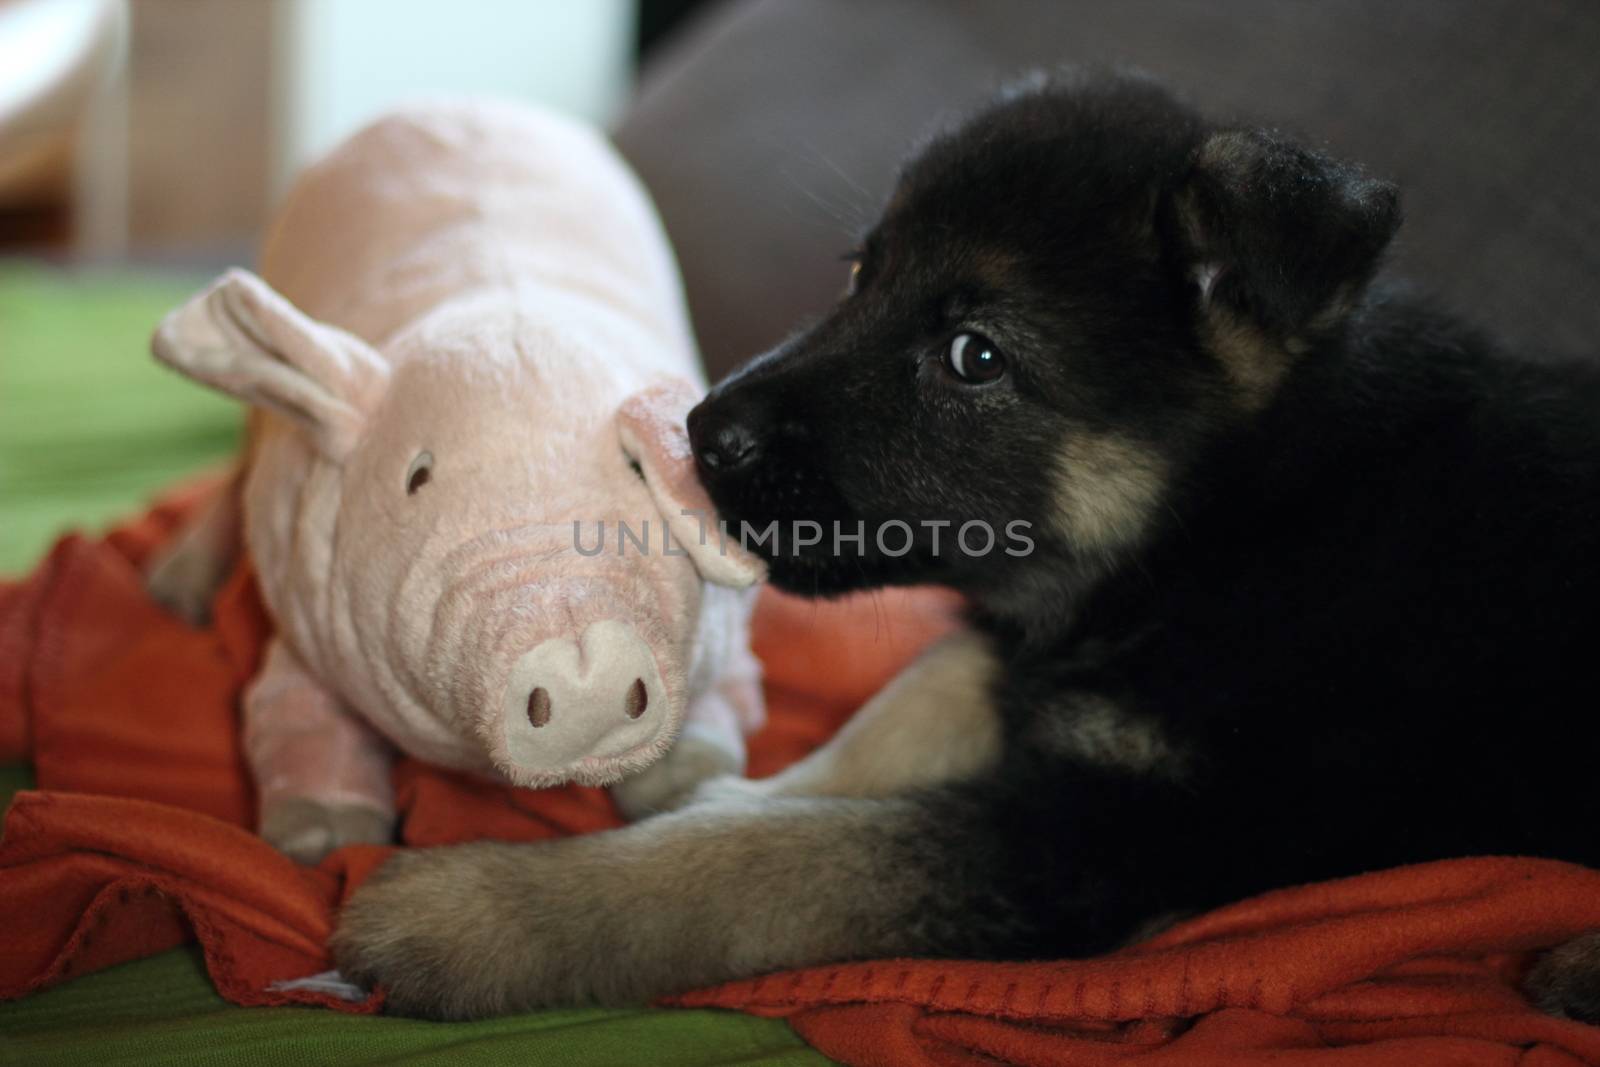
x=470, y=366
x=135, y=840
x=91, y=428
x=139, y=828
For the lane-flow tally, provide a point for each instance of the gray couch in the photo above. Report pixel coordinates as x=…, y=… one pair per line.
x=770, y=130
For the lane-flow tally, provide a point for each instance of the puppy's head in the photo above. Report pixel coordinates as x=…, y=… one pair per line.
x=1063, y=300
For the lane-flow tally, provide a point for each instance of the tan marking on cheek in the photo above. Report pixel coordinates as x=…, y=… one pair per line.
x=1107, y=489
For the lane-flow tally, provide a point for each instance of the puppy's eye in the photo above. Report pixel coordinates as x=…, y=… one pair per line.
x=420, y=473
x=974, y=359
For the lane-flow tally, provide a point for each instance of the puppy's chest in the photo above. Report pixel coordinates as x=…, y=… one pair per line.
x=1075, y=708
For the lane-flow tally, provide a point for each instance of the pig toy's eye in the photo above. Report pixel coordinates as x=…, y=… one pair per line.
x=419, y=473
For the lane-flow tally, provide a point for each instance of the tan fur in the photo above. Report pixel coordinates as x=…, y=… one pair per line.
x=1254, y=365
x=1335, y=311
x=1107, y=489
x=1253, y=362
x=1228, y=151
x=753, y=877
x=669, y=781
x=935, y=722
x=1097, y=731
x=1566, y=980
x=683, y=900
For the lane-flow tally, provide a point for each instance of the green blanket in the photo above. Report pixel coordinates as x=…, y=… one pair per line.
x=89, y=428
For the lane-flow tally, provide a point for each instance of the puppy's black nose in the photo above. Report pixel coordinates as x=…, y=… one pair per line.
x=730, y=448
x=724, y=435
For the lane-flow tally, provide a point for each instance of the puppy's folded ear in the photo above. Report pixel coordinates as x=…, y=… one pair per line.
x=1279, y=240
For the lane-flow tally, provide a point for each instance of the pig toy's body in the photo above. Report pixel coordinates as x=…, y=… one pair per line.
x=470, y=358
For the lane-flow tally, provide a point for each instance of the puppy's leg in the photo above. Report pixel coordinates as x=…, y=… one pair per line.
x=686, y=899
x=933, y=723
x=1566, y=980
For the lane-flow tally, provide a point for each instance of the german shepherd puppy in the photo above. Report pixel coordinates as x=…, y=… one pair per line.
x=1309, y=574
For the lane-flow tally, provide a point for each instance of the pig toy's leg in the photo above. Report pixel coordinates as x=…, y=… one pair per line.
x=711, y=745
x=184, y=575
x=322, y=775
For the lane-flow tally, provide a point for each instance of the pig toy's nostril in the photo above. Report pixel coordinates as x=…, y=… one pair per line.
x=573, y=707
x=638, y=699
x=539, y=706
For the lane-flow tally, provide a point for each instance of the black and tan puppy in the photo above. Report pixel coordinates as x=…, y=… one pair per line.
x=1309, y=587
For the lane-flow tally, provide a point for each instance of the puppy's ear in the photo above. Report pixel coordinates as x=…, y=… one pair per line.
x=1279, y=241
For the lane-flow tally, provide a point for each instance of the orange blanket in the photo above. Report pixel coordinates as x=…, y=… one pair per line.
x=136, y=841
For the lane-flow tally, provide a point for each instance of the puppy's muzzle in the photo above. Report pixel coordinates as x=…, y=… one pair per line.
x=727, y=434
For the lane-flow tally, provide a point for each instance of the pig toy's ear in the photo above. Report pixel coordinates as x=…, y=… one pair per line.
x=650, y=425
x=241, y=337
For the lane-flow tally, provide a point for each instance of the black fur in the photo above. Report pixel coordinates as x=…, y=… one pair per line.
x=1362, y=606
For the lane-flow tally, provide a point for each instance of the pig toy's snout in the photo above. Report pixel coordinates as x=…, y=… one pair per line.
x=635, y=703
x=589, y=708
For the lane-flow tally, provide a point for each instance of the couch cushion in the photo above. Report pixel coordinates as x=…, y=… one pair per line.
x=770, y=131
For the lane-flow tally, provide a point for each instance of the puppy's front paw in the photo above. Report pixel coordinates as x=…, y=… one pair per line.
x=483, y=929
x=307, y=830
x=426, y=929
x=1566, y=980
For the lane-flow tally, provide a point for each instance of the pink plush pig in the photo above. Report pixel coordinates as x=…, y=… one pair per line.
x=470, y=365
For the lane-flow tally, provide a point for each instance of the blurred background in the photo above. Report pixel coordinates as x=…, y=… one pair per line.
x=142, y=147
x=167, y=128
x=143, y=144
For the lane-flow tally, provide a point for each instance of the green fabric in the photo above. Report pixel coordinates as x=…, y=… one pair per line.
x=12, y=779
x=90, y=424
x=90, y=427
x=163, y=1010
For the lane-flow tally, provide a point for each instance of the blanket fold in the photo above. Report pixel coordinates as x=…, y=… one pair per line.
x=137, y=839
